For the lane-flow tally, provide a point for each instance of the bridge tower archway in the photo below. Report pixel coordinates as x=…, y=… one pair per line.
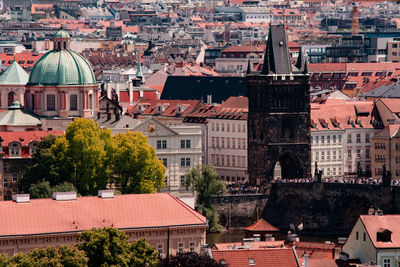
x=288, y=166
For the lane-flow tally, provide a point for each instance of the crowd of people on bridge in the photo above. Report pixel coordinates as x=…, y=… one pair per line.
x=241, y=188
x=339, y=180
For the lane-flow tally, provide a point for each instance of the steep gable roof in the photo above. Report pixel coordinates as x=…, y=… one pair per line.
x=261, y=225
x=374, y=224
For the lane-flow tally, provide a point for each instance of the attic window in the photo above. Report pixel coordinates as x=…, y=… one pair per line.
x=383, y=235
x=251, y=261
x=21, y=62
x=30, y=61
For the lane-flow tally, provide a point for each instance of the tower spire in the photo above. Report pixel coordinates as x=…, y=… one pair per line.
x=248, y=71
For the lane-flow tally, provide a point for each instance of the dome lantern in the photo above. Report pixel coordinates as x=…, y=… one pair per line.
x=61, y=40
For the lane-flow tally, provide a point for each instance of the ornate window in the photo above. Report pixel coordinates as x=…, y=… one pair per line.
x=73, y=102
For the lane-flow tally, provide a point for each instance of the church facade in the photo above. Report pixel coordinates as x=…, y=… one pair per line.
x=62, y=83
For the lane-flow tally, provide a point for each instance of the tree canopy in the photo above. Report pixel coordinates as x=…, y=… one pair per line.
x=109, y=246
x=136, y=167
x=90, y=158
x=98, y=247
x=53, y=257
x=203, y=179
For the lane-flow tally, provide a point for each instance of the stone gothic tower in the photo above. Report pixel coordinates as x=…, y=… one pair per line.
x=279, y=114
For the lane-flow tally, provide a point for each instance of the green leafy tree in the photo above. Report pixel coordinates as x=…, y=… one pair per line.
x=44, y=167
x=109, y=246
x=44, y=190
x=89, y=158
x=142, y=254
x=135, y=164
x=84, y=150
x=203, y=180
x=50, y=256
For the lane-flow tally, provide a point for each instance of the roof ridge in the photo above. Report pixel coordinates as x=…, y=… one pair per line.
x=187, y=207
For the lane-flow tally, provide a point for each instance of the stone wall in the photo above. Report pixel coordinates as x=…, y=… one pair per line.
x=239, y=210
x=324, y=207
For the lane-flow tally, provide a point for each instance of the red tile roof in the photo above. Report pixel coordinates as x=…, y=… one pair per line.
x=25, y=59
x=245, y=48
x=260, y=226
x=392, y=104
x=373, y=223
x=254, y=245
x=25, y=137
x=41, y=216
x=169, y=107
x=282, y=257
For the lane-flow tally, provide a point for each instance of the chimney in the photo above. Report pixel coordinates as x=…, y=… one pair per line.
x=21, y=198
x=106, y=193
x=306, y=260
x=60, y=196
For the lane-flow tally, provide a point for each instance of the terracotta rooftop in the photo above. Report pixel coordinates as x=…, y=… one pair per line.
x=25, y=137
x=374, y=223
x=44, y=216
x=254, y=245
x=260, y=226
x=274, y=257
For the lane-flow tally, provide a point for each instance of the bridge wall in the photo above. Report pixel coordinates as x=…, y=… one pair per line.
x=239, y=210
x=332, y=207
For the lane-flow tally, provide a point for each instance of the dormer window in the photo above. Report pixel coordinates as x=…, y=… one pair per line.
x=33, y=147
x=251, y=261
x=384, y=235
x=15, y=150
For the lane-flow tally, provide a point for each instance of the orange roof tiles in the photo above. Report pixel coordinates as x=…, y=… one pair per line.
x=244, y=48
x=254, y=245
x=25, y=59
x=43, y=216
x=338, y=114
x=260, y=226
x=282, y=257
x=392, y=104
x=25, y=137
x=373, y=223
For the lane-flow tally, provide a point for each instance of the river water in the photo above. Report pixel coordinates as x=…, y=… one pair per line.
x=236, y=235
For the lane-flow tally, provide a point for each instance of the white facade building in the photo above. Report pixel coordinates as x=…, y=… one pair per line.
x=227, y=148
x=358, y=149
x=327, y=151
x=178, y=146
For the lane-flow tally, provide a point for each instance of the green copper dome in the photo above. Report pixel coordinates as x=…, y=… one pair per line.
x=62, y=67
x=61, y=34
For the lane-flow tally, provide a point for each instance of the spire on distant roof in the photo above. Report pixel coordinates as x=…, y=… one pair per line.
x=248, y=71
x=139, y=73
x=277, y=57
x=301, y=63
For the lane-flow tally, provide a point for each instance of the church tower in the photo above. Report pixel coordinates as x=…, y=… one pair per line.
x=279, y=114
